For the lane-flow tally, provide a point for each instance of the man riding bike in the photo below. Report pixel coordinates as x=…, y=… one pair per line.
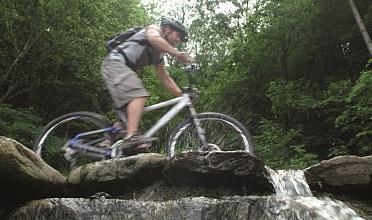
x=145, y=48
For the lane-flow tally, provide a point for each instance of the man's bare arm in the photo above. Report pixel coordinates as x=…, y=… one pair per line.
x=155, y=39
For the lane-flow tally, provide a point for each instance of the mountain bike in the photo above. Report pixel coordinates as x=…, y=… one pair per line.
x=77, y=134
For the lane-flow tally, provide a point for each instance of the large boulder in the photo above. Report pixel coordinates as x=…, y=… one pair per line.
x=223, y=173
x=350, y=175
x=237, y=170
x=116, y=176
x=25, y=176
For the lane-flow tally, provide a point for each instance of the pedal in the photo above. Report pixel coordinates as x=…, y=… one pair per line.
x=69, y=154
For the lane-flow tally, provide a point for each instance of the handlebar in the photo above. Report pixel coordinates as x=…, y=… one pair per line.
x=191, y=67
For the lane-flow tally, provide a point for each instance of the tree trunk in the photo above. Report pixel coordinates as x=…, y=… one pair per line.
x=362, y=28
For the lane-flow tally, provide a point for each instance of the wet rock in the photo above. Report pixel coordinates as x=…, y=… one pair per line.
x=25, y=176
x=350, y=175
x=161, y=191
x=210, y=185
x=249, y=207
x=116, y=176
x=238, y=170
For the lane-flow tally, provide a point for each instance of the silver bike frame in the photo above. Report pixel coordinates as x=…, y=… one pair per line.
x=179, y=103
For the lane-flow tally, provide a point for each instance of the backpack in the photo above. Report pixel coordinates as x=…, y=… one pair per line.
x=117, y=39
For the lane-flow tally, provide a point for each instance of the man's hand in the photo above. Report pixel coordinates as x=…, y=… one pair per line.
x=183, y=58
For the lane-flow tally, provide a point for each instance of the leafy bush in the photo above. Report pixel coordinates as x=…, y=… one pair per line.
x=280, y=148
x=356, y=119
x=19, y=124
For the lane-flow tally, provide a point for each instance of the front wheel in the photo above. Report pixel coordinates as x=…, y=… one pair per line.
x=221, y=130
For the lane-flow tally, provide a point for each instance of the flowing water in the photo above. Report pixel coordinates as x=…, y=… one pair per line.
x=293, y=200
x=292, y=185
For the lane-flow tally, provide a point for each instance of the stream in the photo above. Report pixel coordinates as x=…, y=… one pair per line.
x=293, y=200
x=292, y=185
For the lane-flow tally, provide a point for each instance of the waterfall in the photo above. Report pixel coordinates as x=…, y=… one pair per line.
x=292, y=185
x=289, y=183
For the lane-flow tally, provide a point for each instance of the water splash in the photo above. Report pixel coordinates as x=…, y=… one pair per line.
x=292, y=186
x=289, y=182
x=329, y=208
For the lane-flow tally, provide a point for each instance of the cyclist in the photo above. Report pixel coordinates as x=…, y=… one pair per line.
x=145, y=48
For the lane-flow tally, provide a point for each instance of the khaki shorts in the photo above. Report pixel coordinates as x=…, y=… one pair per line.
x=122, y=82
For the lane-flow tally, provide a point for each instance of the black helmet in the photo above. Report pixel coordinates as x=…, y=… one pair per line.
x=178, y=26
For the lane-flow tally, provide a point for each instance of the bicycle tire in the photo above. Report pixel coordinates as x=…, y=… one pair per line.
x=222, y=130
x=56, y=133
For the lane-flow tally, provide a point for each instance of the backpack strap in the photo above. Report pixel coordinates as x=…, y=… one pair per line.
x=129, y=63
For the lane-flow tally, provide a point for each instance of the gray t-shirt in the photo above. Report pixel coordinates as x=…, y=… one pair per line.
x=137, y=52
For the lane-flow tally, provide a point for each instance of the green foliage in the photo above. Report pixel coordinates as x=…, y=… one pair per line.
x=293, y=100
x=355, y=120
x=213, y=27
x=281, y=148
x=19, y=124
x=51, y=51
x=330, y=107
x=315, y=112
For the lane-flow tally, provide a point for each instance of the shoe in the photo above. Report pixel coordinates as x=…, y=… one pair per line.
x=144, y=148
x=136, y=139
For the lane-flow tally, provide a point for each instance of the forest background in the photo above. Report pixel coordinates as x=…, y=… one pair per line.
x=295, y=73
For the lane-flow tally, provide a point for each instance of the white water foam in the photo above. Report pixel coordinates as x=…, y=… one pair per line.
x=291, y=184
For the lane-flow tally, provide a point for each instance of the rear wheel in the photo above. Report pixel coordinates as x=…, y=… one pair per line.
x=55, y=134
x=221, y=130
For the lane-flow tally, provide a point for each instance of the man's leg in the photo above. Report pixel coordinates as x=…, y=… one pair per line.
x=134, y=114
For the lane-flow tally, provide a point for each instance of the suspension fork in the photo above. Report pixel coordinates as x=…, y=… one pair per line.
x=199, y=129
